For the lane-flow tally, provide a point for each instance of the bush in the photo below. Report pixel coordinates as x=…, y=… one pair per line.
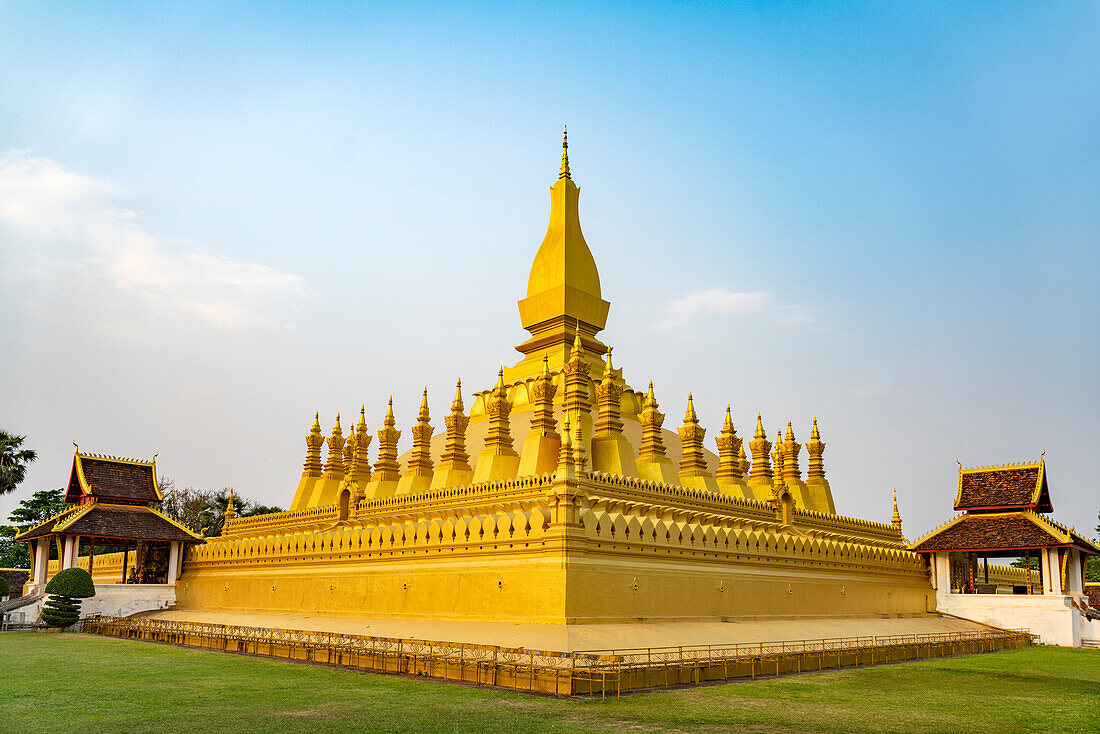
x=66, y=588
x=4, y=588
x=74, y=582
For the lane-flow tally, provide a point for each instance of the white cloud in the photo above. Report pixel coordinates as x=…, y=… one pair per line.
x=682, y=310
x=43, y=200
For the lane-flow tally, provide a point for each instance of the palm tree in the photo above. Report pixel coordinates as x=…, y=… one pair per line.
x=13, y=461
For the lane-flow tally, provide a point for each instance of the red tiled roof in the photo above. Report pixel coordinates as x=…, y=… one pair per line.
x=1002, y=531
x=103, y=520
x=1003, y=487
x=112, y=479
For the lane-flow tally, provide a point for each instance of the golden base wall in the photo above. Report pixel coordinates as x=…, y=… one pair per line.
x=595, y=549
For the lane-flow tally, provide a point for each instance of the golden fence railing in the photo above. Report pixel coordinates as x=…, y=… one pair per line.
x=586, y=672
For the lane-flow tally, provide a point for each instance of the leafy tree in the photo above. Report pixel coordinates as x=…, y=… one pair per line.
x=184, y=505
x=256, y=509
x=13, y=461
x=204, y=510
x=40, y=507
x=13, y=554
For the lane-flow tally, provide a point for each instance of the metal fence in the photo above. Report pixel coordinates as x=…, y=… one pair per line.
x=587, y=673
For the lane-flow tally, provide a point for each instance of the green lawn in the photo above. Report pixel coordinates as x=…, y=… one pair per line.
x=79, y=683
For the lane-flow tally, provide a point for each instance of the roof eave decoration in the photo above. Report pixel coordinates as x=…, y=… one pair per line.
x=178, y=524
x=31, y=530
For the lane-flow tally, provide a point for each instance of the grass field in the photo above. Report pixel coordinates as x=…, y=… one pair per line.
x=79, y=683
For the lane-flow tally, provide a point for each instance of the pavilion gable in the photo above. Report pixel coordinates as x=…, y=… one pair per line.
x=1012, y=486
x=112, y=478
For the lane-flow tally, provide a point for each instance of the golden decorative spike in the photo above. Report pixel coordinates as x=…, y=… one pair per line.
x=580, y=460
x=542, y=394
x=692, y=461
x=577, y=400
x=565, y=454
x=742, y=460
x=349, y=449
x=777, y=457
x=386, y=469
x=815, y=447
x=499, y=409
x=314, y=441
x=334, y=466
x=653, y=446
x=420, y=459
x=454, y=454
x=230, y=513
x=729, y=444
x=564, y=172
x=760, y=446
x=609, y=393
x=360, y=462
x=791, y=472
x=896, y=519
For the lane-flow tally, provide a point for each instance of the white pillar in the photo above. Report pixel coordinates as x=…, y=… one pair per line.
x=67, y=552
x=1055, y=569
x=173, y=562
x=41, y=561
x=943, y=577
x=1073, y=571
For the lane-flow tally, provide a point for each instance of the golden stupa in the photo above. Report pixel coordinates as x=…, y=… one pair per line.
x=560, y=498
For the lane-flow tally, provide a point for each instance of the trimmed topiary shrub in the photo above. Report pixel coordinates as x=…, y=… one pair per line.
x=67, y=588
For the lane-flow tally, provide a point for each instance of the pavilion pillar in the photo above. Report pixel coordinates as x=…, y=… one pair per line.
x=1054, y=571
x=41, y=562
x=1074, y=572
x=173, y=562
x=68, y=552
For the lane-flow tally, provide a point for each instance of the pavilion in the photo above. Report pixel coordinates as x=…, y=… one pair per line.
x=1005, y=515
x=112, y=507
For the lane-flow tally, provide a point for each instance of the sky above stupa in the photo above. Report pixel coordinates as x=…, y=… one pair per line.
x=215, y=221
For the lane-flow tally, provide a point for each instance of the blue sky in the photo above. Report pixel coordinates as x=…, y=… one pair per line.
x=215, y=220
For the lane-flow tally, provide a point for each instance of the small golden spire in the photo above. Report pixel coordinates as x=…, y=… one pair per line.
x=728, y=425
x=389, y=419
x=689, y=414
x=790, y=432
x=546, y=365
x=229, y=512
x=896, y=519
x=564, y=172
x=759, y=428
x=578, y=350
x=317, y=421
x=362, y=427
x=456, y=404
x=499, y=388
x=650, y=398
x=814, y=434
x=608, y=370
x=423, y=414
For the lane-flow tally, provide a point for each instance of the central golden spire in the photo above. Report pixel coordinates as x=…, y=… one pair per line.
x=563, y=289
x=564, y=172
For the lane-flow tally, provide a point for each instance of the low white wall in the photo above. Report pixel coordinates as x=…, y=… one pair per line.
x=1052, y=617
x=117, y=600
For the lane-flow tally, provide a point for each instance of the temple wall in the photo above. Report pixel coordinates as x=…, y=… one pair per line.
x=535, y=550
x=107, y=568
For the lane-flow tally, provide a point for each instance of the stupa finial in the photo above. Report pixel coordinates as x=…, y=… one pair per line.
x=814, y=434
x=896, y=519
x=423, y=414
x=564, y=172
x=230, y=513
x=456, y=404
x=759, y=428
x=689, y=414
